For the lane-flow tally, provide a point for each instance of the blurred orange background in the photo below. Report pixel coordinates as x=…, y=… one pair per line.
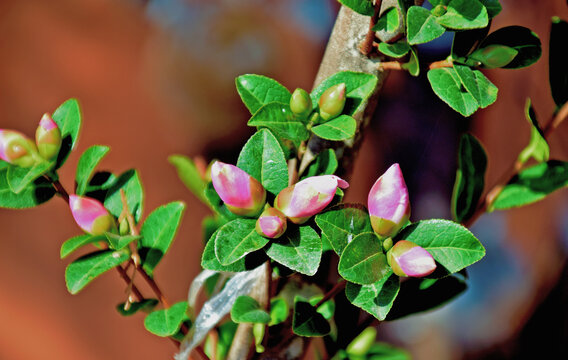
x=157, y=79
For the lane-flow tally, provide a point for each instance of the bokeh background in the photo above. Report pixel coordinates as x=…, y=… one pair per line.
x=156, y=78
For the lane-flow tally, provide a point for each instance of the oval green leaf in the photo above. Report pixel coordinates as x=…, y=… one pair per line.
x=85, y=269
x=377, y=298
x=68, y=119
x=132, y=186
x=421, y=26
x=300, y=249
x=258, y=90
x=464, y=15
x=342, y=127
x=447, y=86
x=363, y=261
x=525, y=41
x=237, y=238
x=86, y=166
x=33, y=194
x=307, y=321
x=281, y=120
x=248, y=310
x=166, y=322
x=263, y=159
x=453, y=246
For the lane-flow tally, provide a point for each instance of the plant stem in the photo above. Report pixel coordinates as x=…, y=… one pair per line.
x=336, y=289
x=513, y=170
x=367, y=45
x=59, y=188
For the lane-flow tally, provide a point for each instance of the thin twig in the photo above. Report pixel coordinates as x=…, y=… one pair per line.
x=367, y=45
x=440, y=64
x=514, y=169
x=336, y=289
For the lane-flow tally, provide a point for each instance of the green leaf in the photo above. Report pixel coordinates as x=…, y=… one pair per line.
x=19, y=178
x=257, y=91
x=359, y=86
x=327, y=309
x=342, y=223
x=342, y=127
x=484, y=92
x=118, y=242
x=363, y=261
x=465, y=42
x=421, y=26
x=189, y=175
x=325, y=163
x=537, y=148
x=299, y=249
x=99, y=185
x=281, y=120
x=519, y=38
x=493, y=56
x=307, y=321
x=453, y=246
x=237, y=238
x=70, y=245
x=470, y=178
x=431, y=295
x=493, y=7
x=86, y=166
x=464, y=15
x=209, y=260
x=34, y=194
x=68, y=119
x=158, y=232
x=144, y=305
x=85, y=269
x=385, y=351
x=167, y=322
x=132, y=186
x=557, y=69
x=396, y=50
x=263, y=159
x=389, y=21
x=363, y=7
x=278, y=311
x=377, y=298
x=532, y=184
x=248, y=310
x=447, y=86
x=413, y=65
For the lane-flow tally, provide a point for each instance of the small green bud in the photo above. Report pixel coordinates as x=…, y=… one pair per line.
x=123, y=227
x=332, y=101
x=387, y=244
x=301, y=103
x=48, y=138
x=494, y=56
x=361, y=345
x=439, y=10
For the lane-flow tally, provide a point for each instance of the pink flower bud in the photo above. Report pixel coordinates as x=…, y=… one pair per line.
x=308, y=197
x=48, y=138
x=271, y=223
x=242, y=194
x=408, y=259
x=389, y=206
x=90, y=215
x=17, y=149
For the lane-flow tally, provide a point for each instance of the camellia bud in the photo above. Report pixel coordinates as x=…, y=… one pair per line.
x=242, y=194
x=271, y=223
x=389, y=206
x=494, y=56
x=17, y=149
x=332, y=101
x=301, y=103
x=408, y=259
x=308, y=197
x=48, y=138
x=90, y=215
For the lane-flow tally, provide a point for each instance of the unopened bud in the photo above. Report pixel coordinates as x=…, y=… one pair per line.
x=388, y=202
x=308, y=197
x=332, y=101
x=408, y=259
x=17, y=149
x=494, y=56
x=271, y=223
x=90, y=215
x=48, y=138
x=242, y=194
x=301, y=103
x=123, y=227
